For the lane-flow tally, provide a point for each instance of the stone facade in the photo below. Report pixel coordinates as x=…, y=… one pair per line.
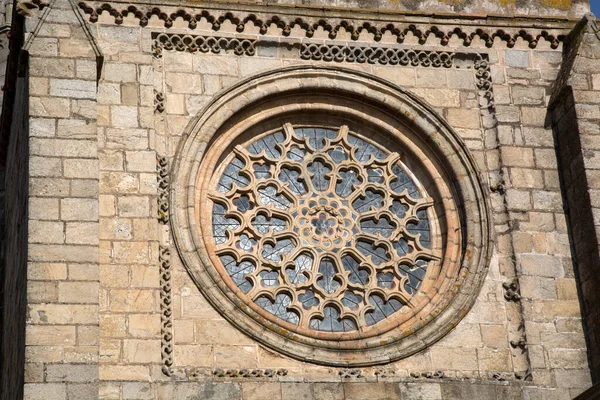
x=114, y=91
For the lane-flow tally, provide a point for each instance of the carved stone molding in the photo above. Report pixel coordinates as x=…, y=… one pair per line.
x=162, y=169
x=159, y=102
x=400, y=31
x=166, y=310
x=201, y=44
x=249, y=373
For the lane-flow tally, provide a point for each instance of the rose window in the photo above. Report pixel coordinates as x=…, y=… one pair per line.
x=323, y=228
x=330, y=215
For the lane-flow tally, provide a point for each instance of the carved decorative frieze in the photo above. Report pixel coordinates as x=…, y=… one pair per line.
x=162, y=169
x=376, y=55
x=511, y=291
x=249, y=373
x=400, y=31
x=202, y=44
x=159, y=102
x=166, y=310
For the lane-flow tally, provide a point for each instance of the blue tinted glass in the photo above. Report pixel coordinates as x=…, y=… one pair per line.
x=293, y=179
x=268, y=145
x=421, y=228
x=371, y=201
x=377, y=254
x=221, y=224
x=328, y=280
x=381, y=227
x=238, y=271
x=302, y=263
x=232, y=176
x=320, y=175
x=347, y=182
x=332, y=322
x=403, y=182
x=263, y=224
x=279, y=307
x=357, y=275
x=316, y=136
x=415, y=275
x=278, y=251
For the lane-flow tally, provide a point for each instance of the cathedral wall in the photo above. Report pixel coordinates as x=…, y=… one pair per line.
x=112, y=308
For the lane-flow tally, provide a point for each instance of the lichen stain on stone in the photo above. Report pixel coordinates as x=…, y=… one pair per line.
x=507, y=2
x=468, y=254
x=565, y=4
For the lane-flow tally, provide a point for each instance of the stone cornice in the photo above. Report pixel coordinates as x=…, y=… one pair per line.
x=340, y=24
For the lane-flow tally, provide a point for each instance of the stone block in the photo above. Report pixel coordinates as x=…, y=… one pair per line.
x=567, y=358
x=573, y=378
x=526, y=178
x=119, y=182
x=78, y=292
x=49, y=107
x=122, y=300
x=220, y=332
x=464, y=118
x=124, y=372
x=516, y=58
x=455, y=358
x=54, y=252
x=118, y=72
x=63, y=147
x=194, y=355
x=140, y=161
x=372, y=391
x=75, y=209
x=49, y=67
x=236, y=356
x=494, y=335
x=399, y=76
x=539, y=265
x=528, y=95
x=124, y=116
x=144, y=325
x=73, y=88
x=46, y=271
x=137, y=351
x=71, y=373
x=137, y=391
x=494, y=359
x=536, y=287
x=109, y=93
x=179, y=82
x=420, y=391
x=517, y=157
x=42, y=292
x=45, y=391
x=50, y=335
x=133, y=206
x=46, y=232
x=220, y=391
x=327, y=391
x=547, y=201
x=81, y=168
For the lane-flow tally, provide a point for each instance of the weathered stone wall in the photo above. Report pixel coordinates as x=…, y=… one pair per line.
x=107, y=288
x=62, y=271
x=575, y=117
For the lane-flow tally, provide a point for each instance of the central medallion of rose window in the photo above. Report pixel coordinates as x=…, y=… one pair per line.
x=322, y=229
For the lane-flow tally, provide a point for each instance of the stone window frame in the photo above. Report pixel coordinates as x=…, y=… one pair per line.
x=477, y=233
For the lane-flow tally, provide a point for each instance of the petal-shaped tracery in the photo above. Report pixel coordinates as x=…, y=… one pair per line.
x=332, y=230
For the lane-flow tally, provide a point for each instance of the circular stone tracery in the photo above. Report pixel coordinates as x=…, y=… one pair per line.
x=290, y=301
x=323, y=229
